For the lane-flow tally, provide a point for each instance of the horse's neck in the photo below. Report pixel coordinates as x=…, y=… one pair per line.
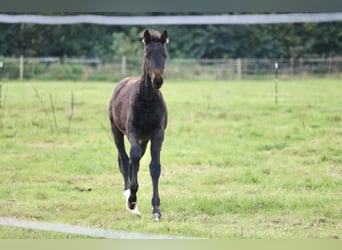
x=147, y=92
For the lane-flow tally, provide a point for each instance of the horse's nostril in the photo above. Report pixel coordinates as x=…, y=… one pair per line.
x=158, y=82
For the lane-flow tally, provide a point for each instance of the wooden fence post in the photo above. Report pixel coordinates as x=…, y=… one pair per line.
x=21, y=67
x=276, y=83
x=238, y=69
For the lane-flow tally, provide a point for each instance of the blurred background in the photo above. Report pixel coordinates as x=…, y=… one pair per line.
x=92, y=52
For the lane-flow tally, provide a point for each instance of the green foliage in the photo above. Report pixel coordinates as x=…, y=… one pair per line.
x=195, y=41
x=56, y=40
x=10, y=70
x=127, y=44
x=64, y=72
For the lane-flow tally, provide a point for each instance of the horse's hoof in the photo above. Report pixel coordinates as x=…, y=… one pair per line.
x=156, y=217
x=131, y=206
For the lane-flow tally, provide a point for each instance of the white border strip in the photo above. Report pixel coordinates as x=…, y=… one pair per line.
x=175, y=20
x=85, y=231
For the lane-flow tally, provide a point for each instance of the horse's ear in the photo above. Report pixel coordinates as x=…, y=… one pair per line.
x=164, y=37
x=146, y=37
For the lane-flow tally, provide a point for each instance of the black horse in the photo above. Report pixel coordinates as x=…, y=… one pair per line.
x=137, y=110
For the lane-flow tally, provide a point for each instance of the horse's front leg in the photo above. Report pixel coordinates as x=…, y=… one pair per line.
x=131, y=193
x=155, y=168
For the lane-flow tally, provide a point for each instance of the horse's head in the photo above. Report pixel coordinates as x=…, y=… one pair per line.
x=155, y=55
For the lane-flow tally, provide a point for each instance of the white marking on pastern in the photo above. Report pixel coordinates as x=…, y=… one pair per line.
x=136, y=211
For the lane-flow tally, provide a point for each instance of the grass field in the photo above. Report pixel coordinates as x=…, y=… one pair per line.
x=234, y=164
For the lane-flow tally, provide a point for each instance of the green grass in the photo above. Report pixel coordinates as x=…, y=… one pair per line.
x=234, y=164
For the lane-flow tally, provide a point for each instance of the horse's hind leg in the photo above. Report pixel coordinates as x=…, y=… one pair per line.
x=155, y=169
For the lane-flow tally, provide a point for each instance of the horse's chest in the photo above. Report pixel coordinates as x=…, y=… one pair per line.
x=148, y=119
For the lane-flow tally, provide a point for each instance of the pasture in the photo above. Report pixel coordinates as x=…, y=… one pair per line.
x=234, y=164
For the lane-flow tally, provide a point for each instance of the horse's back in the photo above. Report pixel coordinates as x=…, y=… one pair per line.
x=119, y=102
x=123, y=88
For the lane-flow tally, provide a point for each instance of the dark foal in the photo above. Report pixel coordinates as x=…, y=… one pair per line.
x=137, y=110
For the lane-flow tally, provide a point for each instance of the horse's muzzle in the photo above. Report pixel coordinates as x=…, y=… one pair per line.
x=158, y=82
x=157, y=77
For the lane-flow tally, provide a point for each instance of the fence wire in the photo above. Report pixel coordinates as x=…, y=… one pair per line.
x=97, y=69
x=176, y=19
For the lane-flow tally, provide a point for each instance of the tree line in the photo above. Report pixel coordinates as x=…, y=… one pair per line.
x=186, y=41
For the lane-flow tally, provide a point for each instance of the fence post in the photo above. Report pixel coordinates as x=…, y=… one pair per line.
x=276, y=83
x=123, y=65
x=21, y=67
x=238, y=69
x=329, y=66
x=302, y=68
